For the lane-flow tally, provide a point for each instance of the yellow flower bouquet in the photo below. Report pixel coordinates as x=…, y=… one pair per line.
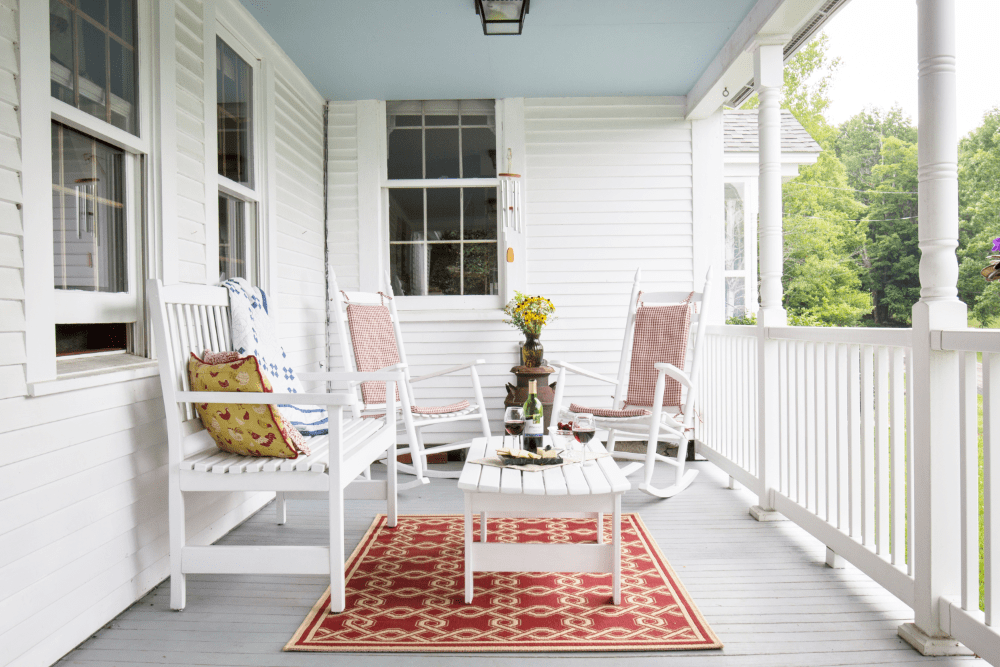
x=529, y=314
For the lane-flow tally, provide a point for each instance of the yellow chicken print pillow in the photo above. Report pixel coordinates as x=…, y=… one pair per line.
x=250, y=430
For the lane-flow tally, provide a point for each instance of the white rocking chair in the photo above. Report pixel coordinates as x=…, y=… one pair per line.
x=370, y=339
x=644, y=374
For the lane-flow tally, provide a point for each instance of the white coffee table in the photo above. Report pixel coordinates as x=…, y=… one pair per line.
x=573, y=490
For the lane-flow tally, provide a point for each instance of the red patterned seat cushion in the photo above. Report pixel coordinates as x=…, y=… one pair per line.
x=439, y=409
x=661, y=336
x=605, y=412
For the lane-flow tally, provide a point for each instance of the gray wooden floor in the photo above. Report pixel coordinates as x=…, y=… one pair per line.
x=763, y=587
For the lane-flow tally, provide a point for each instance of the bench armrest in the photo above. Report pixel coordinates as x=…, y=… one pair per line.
x=387, y=374
x=263, y=398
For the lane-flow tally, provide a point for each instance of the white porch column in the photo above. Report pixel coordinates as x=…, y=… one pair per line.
x=935, y=373
x=768, y=65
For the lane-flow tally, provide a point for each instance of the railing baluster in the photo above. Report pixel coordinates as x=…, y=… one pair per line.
x=784, y=475
x=991, y=471
x=809, y=357
x=830, y=441
x=842, y=439
x=855, y=445
x=882, y=450
x=800, y=424
x=909, y=460
x=867, y=445
x=968, y=441
x=897, y=453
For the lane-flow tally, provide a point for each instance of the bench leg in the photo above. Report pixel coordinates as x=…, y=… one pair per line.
x=600, y=527
x=176, y=517
x=468, y=548
x=280, y=509
x=338, y=601
x=482, y=526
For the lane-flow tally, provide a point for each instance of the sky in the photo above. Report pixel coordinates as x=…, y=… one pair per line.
x=877, y=43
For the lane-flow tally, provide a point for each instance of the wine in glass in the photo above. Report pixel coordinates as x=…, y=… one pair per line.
x=584, y=430
x=513, y=422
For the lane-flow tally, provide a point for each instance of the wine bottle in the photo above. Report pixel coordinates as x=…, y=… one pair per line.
x=533, y=416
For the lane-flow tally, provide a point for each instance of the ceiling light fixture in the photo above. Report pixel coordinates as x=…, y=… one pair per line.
x=502, y=17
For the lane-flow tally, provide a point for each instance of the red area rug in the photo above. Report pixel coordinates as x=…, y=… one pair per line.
x=405, y=593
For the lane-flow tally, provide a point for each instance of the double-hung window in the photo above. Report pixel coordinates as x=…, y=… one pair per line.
x=238, y=183
x=442, y=198
x=97, y=177
x=740, y=271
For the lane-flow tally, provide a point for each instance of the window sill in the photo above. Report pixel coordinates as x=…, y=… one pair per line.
x=94, y=371
x=451, y=315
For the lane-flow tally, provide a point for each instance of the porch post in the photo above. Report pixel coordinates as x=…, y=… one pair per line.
x=936, y=563
x=768, y=65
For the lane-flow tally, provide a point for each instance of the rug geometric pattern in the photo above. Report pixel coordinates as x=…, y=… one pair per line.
x=405, y=593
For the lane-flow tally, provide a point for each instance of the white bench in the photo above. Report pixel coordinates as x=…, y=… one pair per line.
x=193, y=318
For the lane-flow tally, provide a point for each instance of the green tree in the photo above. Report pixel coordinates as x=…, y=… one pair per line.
x=979, y=217
x=892, y=252
x=859, y=144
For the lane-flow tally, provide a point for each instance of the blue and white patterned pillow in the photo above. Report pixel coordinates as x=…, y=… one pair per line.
x=253, y=332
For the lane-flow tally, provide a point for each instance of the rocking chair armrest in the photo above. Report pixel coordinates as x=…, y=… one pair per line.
x=675, y=373
x=582, y=371
x=447, y=371
x=389, y=373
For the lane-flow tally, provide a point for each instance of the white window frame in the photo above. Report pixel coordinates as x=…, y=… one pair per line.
x=45, y=305
x=440, y=301
x=253, y=198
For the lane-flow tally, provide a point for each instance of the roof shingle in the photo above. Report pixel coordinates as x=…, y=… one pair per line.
x=740, y=132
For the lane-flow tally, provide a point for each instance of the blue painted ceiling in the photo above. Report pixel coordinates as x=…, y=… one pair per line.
x=435, y=49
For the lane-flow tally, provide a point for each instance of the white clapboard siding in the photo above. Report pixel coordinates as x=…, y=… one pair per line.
x=83, y=474
x=12, y=358
x=191, y=110
x=608, y=191
x=301, y=289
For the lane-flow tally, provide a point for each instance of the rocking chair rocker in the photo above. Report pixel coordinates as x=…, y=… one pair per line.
x=370, y=338
x=651, y=367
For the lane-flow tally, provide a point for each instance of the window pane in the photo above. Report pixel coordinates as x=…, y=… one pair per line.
x=82, y=338
x=445, y=268
x=735, y=297
x=94, y=9
x=234, y=82
x=84, y=50
x=480, y=213
x=236, y=240
x=443, y=206
x=480, y=268
x=734, y=227
x=408, y=121
x=474, y=120
x=479, y=153
x=407, y=267
x=406, y=215
x=441, y=120
x=88, y=199
x=442, y=153
x=61, y=45
x=121, y=19
x=406, y=154
x=93, y=61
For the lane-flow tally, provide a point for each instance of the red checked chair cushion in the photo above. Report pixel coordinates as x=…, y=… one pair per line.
x=661, y=336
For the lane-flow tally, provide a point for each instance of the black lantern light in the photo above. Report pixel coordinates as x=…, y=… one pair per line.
x=502, y=17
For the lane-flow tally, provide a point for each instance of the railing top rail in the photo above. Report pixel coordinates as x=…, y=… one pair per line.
x=849, y=335
x=967, y=340
x=733, y=330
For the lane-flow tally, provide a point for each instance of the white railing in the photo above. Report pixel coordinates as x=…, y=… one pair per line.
x=726, y=431
x=843, y=447
x=973, y=619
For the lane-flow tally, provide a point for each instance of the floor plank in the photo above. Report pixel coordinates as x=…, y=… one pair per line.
x=763, y=587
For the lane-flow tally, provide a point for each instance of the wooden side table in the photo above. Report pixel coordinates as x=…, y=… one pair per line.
x=518, y=394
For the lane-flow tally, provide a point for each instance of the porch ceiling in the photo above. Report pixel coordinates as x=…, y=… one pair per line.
x=435, y=49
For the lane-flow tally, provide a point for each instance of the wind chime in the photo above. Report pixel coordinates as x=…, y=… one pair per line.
x=509, y=206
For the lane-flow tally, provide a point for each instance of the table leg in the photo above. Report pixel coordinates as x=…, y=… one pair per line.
x=600, y=527
x=616, y=548
x=482, y=526
x=468, y=548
